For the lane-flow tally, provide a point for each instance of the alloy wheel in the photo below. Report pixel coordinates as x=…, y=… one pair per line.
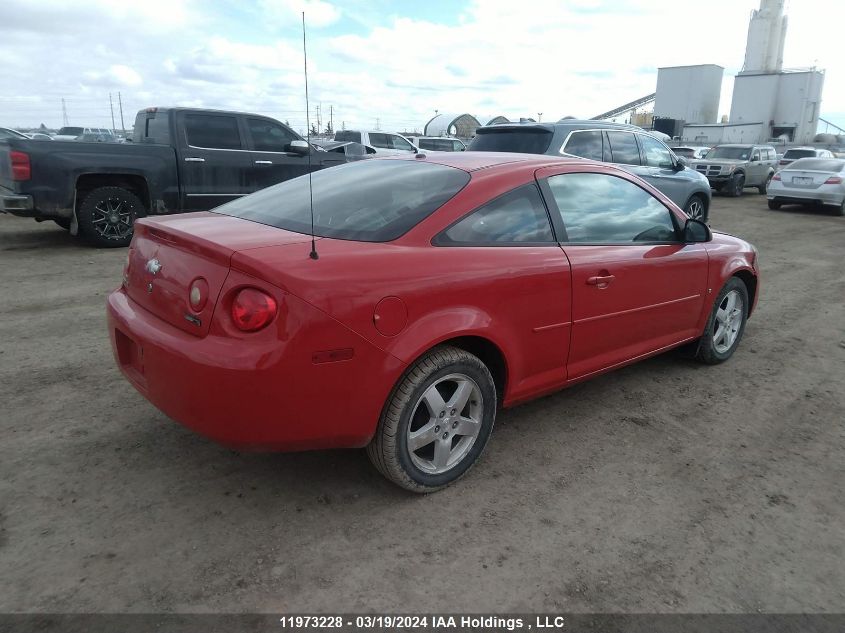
x=695, y=209
x=112, y=218
x=728, y=321
x=445, y=423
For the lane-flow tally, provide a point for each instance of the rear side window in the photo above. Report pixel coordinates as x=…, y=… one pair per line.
x=587, y=144
x=799, y=153
x=527, y=141
x=213, y=131
x=156, y=129
x=604, y=209
x=368, y=201
x=623, y=147
x=397, y=142
x=268, y=136
x=517, y=217
x=348, y=136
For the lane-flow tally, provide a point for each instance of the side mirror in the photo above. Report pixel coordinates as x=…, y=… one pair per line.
x=696, y=231
x=299, y=148
x=755, y=159
x=681, y=164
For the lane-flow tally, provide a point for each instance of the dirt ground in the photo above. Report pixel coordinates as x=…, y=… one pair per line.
x=664, y=487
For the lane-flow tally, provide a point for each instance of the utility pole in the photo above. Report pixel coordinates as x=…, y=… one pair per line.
x=539, y=117
x=111, y=105
x=331, y=117
x=120, y=103
x=378, y=123
x=319, y=127
x=64, y=113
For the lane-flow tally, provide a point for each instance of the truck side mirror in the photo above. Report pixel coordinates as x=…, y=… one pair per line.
x=299, y=148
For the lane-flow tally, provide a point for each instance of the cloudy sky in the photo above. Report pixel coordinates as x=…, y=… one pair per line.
x=380, y=61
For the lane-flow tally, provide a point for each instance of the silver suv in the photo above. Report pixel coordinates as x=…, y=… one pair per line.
x=732, y=168
x=627, y=146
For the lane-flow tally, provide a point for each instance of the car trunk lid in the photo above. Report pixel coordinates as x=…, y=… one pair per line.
x=169, y=254
x=804, y=178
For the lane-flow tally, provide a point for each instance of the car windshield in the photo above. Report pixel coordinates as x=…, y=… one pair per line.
x=368, y=201
x=799, y=153
x=71, y=131
x=736, y=153
x=527, y=141
x=819, y=164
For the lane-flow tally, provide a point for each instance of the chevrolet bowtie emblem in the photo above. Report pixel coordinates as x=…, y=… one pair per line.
x=153, y=266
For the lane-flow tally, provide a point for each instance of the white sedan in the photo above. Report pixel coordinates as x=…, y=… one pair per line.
x=809, y=181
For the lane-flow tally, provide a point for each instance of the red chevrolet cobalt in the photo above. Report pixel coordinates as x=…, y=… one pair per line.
x=441, y=289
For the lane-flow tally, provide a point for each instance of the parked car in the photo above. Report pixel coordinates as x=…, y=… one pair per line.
x=731, y=168
x=73, y=133
x=691, y=152
x=438, y=143
x=384, y=143
x=628, y=146
x=9, y=133
x=181, y=160
x=795, y=153
x=39, y=136
x=443, y=288
x=809, y=181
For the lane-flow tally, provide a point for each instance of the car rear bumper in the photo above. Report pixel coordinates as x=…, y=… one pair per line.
x=822, y=195
x=259, y=393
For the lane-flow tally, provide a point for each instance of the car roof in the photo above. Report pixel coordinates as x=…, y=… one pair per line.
x=564, y=124
x=473, y=161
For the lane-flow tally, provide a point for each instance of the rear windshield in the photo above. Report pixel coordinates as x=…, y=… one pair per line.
x=819, y=164
x=348, y=136
x=738, y=153
x=526, y=141
x=368, y=201
x=799, y=153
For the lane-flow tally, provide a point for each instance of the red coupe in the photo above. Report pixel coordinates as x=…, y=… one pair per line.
x=442, y=287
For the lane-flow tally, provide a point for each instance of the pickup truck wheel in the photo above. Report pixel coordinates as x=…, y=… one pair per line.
x=762, y=188
x=436, y=422
x=107, y=214
x=736, y=185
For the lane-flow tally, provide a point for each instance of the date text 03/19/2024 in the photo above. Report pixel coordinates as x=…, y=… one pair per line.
x=421, y=622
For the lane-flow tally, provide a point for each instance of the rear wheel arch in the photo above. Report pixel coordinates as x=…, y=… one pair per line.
x=133, y=183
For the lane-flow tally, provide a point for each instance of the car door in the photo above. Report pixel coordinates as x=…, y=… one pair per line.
x=636, y=286
x=662, y=172
x=272, y=163
x=382, y=143
x=757, y=169
x=215, y=162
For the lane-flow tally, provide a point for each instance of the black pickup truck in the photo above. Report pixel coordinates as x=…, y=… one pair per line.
x=180, y=160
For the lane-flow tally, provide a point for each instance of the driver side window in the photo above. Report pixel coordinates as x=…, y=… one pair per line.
x=605, y=209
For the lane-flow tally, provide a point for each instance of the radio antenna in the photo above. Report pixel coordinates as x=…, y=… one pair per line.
x=313, y=254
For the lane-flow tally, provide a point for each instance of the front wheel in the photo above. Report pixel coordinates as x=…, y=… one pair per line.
x=107, y=215
x=736, y=185
x=774, y=205
x=726, y=323
x=696, y=208
x=437, y=421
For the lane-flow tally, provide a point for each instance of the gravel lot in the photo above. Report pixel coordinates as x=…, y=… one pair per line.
x=667, y=486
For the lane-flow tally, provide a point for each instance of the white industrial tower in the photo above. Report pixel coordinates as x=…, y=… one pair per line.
x=766, y=38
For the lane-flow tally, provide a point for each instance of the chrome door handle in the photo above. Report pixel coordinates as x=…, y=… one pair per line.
x=264, y=162
x=194, y=159
x=600, y=280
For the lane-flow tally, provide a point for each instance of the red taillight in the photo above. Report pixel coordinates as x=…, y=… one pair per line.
x=833, y=180
x=252, y=309
x=21, y=169
x=776, y=177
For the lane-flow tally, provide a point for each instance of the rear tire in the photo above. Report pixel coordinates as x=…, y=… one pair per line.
x=726, y=323
x=436, y=422
x=840, y=210
x=107, y=215
x=773, y=205
x=765, y=186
